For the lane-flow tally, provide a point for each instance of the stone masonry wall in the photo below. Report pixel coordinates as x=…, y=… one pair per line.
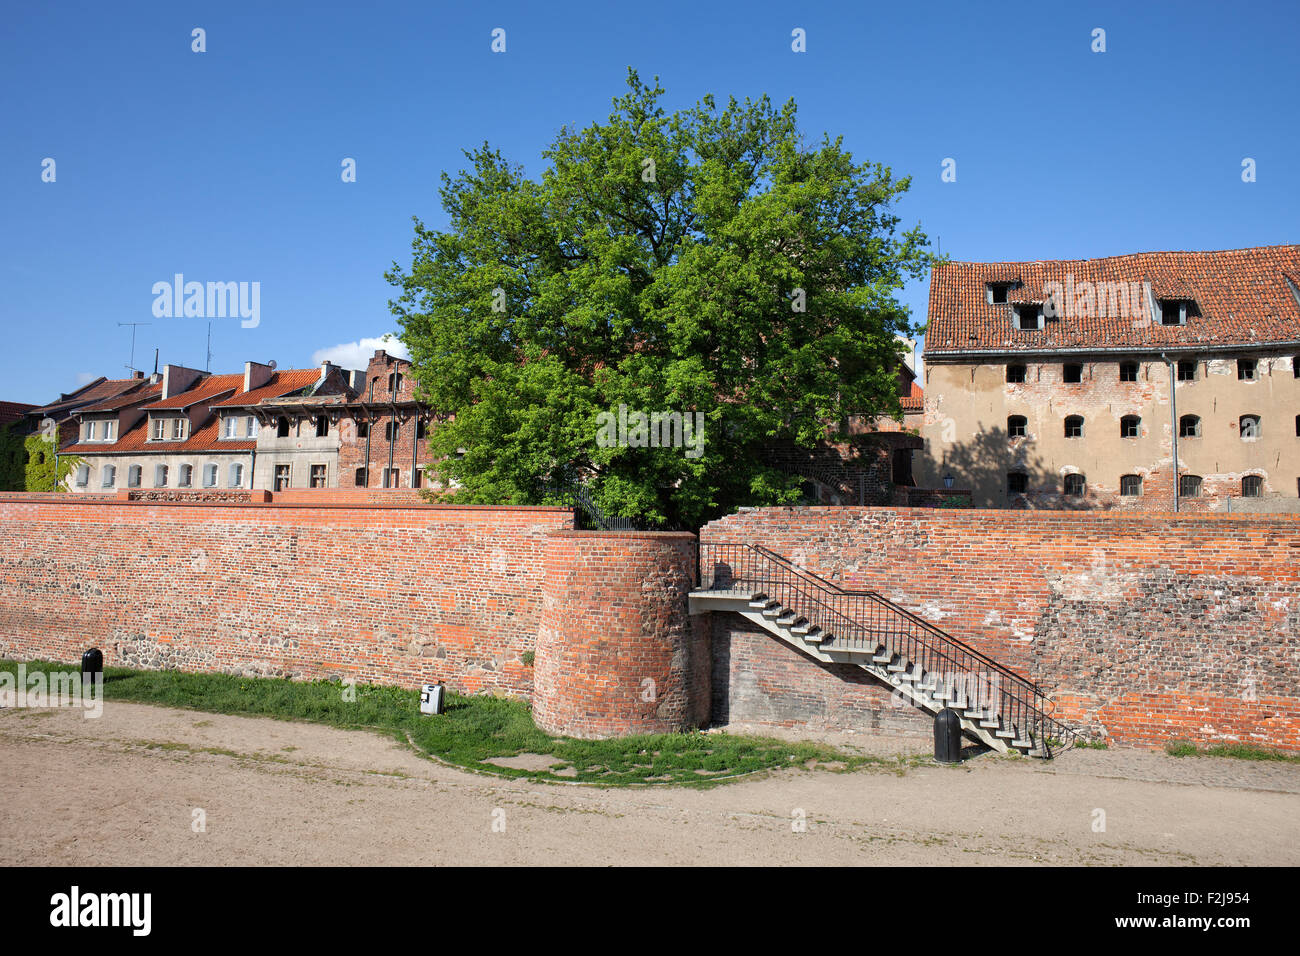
x=1143, y=628
x=384, y=594
x=618, y=651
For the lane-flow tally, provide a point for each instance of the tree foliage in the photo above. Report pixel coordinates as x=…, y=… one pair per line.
x=706, y=260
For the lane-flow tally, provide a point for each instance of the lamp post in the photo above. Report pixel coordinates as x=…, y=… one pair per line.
x=948, y=479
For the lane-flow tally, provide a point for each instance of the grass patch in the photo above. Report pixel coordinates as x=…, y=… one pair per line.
x=1185, y=748
x=1092, y=744
x=473, y=729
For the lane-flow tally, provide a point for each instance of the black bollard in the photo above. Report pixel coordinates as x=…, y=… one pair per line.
x=947, y=736
x=92, y=663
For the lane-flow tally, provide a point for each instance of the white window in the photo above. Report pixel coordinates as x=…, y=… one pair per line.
x=133, y=476
x=236, y=475
x=178, y=429
x=160, y=476
x=250, y=427
x=209, y=476
x=159, y=429
x=107, y=476
x=185, y=477
x=83, y=476
x=110, y=431
x=90, y=431
x=232, y=426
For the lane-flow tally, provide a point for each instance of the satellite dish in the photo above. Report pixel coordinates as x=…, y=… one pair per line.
x=271, y=364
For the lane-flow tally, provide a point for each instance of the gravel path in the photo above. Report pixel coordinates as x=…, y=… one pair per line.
x=124, y=789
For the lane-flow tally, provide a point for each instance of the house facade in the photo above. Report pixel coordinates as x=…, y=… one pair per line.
x=1153, y=381
x=184, y=429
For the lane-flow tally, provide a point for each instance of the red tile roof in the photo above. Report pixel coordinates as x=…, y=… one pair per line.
x=125, y=400
x=1243, y=296
x=280, y=383
x=914, y=401
x=11, y=412
x=208, y=389
x=99, y=390
x=207, y=438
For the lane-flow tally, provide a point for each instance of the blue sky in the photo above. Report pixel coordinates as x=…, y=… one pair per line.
x=225, y=165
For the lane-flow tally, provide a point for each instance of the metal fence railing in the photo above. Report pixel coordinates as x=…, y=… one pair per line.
x=864, y=620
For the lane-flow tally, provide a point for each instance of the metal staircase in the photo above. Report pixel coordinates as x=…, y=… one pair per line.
x=926, y=666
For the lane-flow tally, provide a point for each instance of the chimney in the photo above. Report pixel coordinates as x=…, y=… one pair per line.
x=137, y=375
x=256, y=375
x=324, y=372
x=177, y=378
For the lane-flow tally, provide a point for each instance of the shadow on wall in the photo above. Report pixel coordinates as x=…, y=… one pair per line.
x=987, y=464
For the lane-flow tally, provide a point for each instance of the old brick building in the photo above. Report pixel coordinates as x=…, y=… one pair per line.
x=185, y=429
x=1074, y=384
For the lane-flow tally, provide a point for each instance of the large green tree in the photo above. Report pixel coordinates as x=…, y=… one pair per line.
x=706, y=260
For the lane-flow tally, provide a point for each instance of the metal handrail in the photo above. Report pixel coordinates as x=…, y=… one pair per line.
x=865, y=620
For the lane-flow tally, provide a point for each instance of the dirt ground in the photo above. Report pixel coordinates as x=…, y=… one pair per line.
x=149, y=785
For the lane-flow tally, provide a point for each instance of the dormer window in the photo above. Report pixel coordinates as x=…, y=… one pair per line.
x=1029, y=318
x=996, y=292
x=1173, y=311
x=178, y=429
x=232, y=427
x=159, y=429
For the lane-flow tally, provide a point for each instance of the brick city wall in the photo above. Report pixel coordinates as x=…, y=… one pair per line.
x=1141, y=627
x=618, y=651
x=386, y=594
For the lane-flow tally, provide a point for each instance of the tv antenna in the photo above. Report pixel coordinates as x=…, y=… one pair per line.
x=208, y=365
x=131, y=367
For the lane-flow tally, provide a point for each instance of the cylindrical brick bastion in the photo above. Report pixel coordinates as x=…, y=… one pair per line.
x=617, y=651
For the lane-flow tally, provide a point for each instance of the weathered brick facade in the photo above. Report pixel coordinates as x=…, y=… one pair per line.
x=386, y=594
x=1142, y=627
x=618, y=651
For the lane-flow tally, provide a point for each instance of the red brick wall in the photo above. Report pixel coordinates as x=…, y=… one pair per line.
x=1142, y=627
x=617, y=650
x=380, y=594
x=758, y=679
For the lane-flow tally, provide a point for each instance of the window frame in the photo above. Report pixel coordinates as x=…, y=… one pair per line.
x=1134, y=367
x=1022, y=373
x=1072, y=420
x=1017, y=421
x=1074, y=477
x=1194, y=421
x=1130, y=421
x=1256, y=482
x=1129, y=480
x=1182, y=486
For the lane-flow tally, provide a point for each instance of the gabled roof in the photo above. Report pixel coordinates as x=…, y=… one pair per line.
x=208, y=389
x=1242, y=296
x=280, y=383
x=915, y=401
x=11, y=412
x=101, y=389
x=124, y=400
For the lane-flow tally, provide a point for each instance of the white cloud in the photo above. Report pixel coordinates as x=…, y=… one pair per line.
x=357, y=354
x=85, y=378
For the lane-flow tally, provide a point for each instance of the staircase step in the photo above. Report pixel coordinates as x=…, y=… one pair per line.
x=774, y=610
x=883, y=655
x=817, y=636
x=761, y=603
x=897, y=665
